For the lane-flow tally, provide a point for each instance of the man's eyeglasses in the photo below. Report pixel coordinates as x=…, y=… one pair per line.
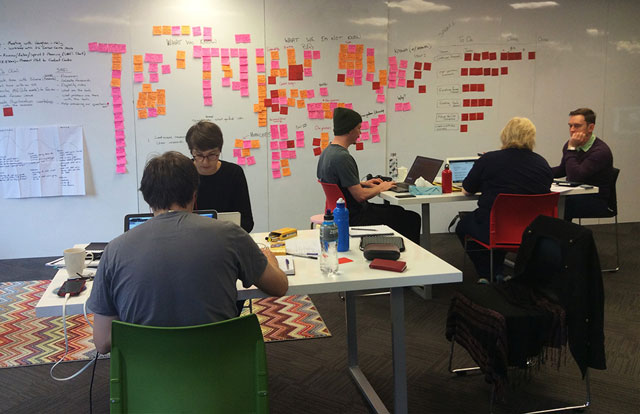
x=209, y=157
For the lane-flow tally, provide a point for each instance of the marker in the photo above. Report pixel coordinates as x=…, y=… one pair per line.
x=308, y=255
x=357, y=229
x=286, y=261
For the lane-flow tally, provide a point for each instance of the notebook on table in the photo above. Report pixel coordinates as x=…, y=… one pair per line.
x=424, y=167
x=460, y=167
x=133, y=220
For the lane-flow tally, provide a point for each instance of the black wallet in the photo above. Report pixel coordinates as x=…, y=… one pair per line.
x=381, y=251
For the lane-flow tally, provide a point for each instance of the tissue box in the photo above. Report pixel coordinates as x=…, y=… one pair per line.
x=425, y=190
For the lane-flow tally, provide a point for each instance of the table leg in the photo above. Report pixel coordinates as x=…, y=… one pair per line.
x=352, y=356
x=399, y=351
x=425, y=291
x=561, y=201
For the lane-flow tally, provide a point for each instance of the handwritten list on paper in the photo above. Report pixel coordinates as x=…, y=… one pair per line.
x=41, y=161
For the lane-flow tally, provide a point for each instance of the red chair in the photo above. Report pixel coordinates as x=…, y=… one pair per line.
x=332, y=193
x=510, y=215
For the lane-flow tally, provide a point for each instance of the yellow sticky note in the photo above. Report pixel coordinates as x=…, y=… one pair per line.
x=255, y=143
x=238, y=143
x=180, y=54
x=146, y=87
x=156, y=31
x=185, y=30
x=180, y=64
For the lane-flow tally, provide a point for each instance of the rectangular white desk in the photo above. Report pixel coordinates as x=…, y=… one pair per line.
x=423, y=268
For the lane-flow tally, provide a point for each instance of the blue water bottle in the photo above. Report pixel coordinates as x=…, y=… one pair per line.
x=341, y=218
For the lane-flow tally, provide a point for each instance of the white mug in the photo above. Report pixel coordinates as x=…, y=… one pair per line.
x=402, y=174
x=74, y=261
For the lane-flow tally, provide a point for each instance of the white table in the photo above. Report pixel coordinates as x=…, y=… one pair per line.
x=423, y=268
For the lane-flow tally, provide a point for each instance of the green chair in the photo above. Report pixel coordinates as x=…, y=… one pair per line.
x=215, y=368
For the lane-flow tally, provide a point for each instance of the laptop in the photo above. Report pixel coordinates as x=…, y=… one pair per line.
x=424, y=167
x=460, y=167
x=133, y=220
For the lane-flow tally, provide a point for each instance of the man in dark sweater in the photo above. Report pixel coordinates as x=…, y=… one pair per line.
x=585, y=159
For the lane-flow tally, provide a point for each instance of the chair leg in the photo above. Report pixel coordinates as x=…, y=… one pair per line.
x=573, y=407
x=458, y=371
x=615, y=269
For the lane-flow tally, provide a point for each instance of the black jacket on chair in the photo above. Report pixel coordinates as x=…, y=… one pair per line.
x=578, y=284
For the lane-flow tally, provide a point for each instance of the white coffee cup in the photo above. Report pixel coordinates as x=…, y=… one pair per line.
x=402, y=174
x=75, y=261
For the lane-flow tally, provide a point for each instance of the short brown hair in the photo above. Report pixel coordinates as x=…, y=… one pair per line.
x=519, y=133
x=204, y=136
x=589, y=115
x=170, y=178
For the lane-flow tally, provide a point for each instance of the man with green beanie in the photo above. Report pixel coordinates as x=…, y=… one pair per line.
x=337, y=166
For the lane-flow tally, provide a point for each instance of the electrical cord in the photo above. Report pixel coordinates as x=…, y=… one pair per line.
x=93, y=373
x=66, y=343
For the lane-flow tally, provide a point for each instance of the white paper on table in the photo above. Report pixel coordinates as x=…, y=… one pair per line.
x=41, y=161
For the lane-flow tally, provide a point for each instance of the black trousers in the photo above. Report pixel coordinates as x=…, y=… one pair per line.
x=479, y=229
x=585, y=206
x=404, y=222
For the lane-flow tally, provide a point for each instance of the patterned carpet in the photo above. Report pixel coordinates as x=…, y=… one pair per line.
x=27, y=340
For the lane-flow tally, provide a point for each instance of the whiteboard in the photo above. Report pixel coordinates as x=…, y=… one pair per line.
x=562, y=56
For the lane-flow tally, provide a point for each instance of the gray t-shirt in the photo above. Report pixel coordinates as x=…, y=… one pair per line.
x=177, y=269
x=337, y=166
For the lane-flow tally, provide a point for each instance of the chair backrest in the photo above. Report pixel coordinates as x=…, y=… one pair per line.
x=213, y=368
x=512, y=213
x=613, y=197
x=331, y=193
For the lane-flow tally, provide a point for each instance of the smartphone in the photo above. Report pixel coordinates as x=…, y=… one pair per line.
x=73, y=287
x=405, y=196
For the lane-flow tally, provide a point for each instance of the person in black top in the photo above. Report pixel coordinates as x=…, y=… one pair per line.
x=223, y=186
x=514, y=169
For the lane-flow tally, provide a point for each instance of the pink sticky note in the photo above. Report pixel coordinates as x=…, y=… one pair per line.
x=275, y=165
x=175, y=30
x=310, y=93
x=206, y=92
x=282, y=144
x=166, y=69
x=276, y=173
x=119, y=134
x=261, y=68
x=121, y=169
x=226, y=82
x=300, y=143
x=233, y=52
x=398, y=106
x=308, y=72
x=292, y=154
x=138, y=77
x=365, y=125
x=393, y=60
x=93, y=47
x=208, y=101
x=153, y=67
x=251, y=160
x=197, y=52
x=121, y=152
x=382, y=118
x=371, y=51
x=316, y=54
x=308, y=54
x=374, y=122
x=242, y=161
x=364, y=136
x=243, y=52
x=154, y=77
x=117, y=109
x=206, y=53
x=197, y=31
x=235, y=86
x=374, y=130
x=206, y=66
x=406, y=106
x=275, y=155
x=380, y=99
x=273, y=145
x=284, y=131
x=299, y=134
x=117, y=100
x=237, y=152
x=260, y=52
x=118, y=117
x=275, y=132
x=206, y=33
x=403, y=63
x=244, y=92
x=375, y=138
x=351, y=48
x=152, y=112
x=284, y=154
x=116, y=74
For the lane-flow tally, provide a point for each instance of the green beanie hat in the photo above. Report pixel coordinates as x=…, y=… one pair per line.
x=344, y=120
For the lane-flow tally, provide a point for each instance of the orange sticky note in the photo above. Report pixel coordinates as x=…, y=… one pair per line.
x=166, y=30
x=142, y=113
x=146, y=87
x=137, y=59
x=117, y=66
x=115, y=82
x=162, y=110
x=185, y=30
x=138, y=68
x=260, y=60
x=255, y=143
x=238, y=143
x=303, y=93
x=307, y=63
x=283, y=73
x=157, y=30
x=180, y=54
x=300, y=103
x=142, y=103
x=348, y=81
x=282, y=93
x=275, y=55
x=206, y=75
x=180, y=64
x=284, y=163
x=291, y=102
x=286, y=172
x=116, y=58
x=294, y=93
x=246, y=152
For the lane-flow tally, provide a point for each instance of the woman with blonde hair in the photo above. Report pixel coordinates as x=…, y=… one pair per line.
x=514, y=169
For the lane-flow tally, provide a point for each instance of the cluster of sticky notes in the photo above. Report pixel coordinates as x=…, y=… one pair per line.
x=350, y=59
x=473, y=87
x=283, y=149
x=182, y=30
x=150, y=103
x=319, y=144
x=116, y=51
x=242, y=150
x=181, y=57
x=371, y=63
x=295, y=70
x=370, y=129
x=477, y=102
x=403, y=106
x=324, y=110
x=475, y=116
x=307, y=63
x=504, y=70
x=276, y=70
x=260, y=107
x=107, y=47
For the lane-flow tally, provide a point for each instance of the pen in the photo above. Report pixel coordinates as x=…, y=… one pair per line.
x=286, y=261
x=308, y=255
x=355, y=228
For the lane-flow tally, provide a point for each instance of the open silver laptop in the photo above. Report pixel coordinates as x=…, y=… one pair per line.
x=133, y=220
x=460, y=167
x=424, y=167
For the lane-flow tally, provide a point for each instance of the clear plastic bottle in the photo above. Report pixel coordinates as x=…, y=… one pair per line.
x=341, y=218
x=328, y=245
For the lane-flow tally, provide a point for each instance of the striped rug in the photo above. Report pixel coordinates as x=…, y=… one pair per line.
x=28, y=340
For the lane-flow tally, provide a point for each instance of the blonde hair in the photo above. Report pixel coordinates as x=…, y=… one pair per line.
x=519, y=133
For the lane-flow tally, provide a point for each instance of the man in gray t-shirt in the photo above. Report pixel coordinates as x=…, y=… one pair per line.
x=177, y=269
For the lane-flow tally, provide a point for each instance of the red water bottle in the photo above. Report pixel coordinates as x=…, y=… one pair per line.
x=446, y=179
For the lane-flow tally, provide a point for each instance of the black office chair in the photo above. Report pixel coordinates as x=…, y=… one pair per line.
x=555, y=298
x=611, y=213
